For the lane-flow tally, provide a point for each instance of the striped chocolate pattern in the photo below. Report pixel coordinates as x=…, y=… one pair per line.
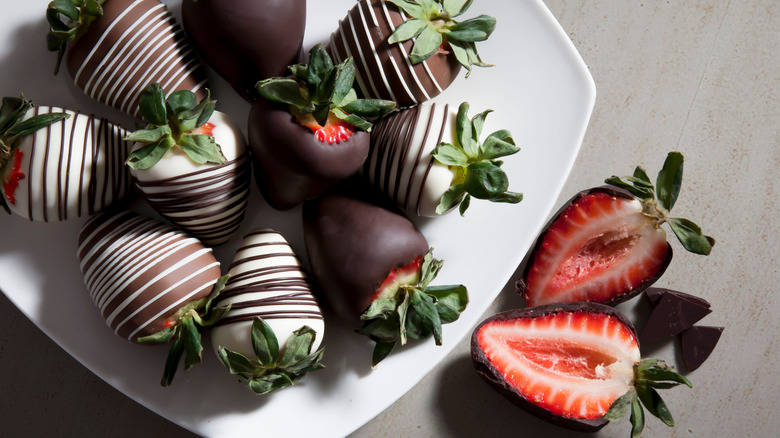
x=384, y=70
x=72, y=168
x=141, y=43
x=266, y=281
x=400, y=163
x=139, y=271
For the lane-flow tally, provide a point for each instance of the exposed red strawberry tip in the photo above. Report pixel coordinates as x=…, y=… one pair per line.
x=399, y=276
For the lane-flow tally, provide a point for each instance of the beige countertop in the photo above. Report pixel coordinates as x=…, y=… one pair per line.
x=697, y=77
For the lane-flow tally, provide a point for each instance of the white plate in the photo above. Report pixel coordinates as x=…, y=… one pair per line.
x=540, y=89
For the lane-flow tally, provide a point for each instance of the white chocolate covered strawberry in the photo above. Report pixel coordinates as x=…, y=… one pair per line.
x=70, y=165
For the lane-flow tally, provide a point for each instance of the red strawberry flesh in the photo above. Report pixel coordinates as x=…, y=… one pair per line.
x=600, y=248
x=405, y=275
x=334, y=131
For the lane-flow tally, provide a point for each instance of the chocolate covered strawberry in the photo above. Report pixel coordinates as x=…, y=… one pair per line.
x=191, y=164
x=429, y=159
x=246, y=40
x=576, y=365
x=606, y=244
x=409, y=51
x=58, y=164
x=310, y=132
x=372, y=263
x=270, y=335
x=151, y=282
x=115, y=48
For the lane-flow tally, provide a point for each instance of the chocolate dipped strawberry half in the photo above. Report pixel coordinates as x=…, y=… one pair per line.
x=270, y=335
x=246, y=40
x=309, y=132
x=371, y=263
x=58, y=164
x=114, y=48
x=409, y=51
x=152, y=283
x=606, y=244
x=191, y=164
x=429, y=160
x=576, y=365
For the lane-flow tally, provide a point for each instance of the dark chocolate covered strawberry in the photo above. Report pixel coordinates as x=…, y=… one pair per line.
x=58, y=164
x=606, y=244
x=114, y=48
x=310, y=132
x=429, y=159
x=372, y=263
x=576, y=365
x=409, y=51
x=246, y=40
x=270, y=335
x=151, y=282
x=191, y=164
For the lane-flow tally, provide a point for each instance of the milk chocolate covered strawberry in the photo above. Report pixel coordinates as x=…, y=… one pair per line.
x=246, y=40
x=114, y=48
x=270, y=335
x=58, y=164
x=191, y=164
x=310, y=130
x=151, y=282
x=372, y=263
x=429, y=159
x=409, y=51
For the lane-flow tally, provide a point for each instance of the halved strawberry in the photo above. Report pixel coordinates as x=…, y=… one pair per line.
x=309, y=131
x=606, y=244
x=577, y=365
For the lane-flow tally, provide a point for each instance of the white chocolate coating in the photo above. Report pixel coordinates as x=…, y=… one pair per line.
x=72, y=168
x=266, y=280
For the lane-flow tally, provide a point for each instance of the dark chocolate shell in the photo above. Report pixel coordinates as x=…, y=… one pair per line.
x=383, y=70
x=139, y=271
x=133, y=44
x=291, y=165
x=246, y=41
x=353, y=241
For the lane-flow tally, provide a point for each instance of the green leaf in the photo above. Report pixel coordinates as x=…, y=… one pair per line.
x=450, y=155
x=12, y=110
x=476, y=29
x=478, y=122
x=201, y=148
x=297, y=347
x=369, y=107
x=456, y=7
x=380, y=308
x=282, y=90
x=641, y=178
x=381, y=330
x=320, y=64
x=429, y=269
x=451, y=198
x=658, y=373
x=160, y=337
x=150, y=154
x=690, y=236
x=669, y=180
x=152, y=105
x=655, y=405
x=499, y=144
x=27, y=127
x=172, y=361
x=149, y=135
x=426, y=44
x=356, y=121
x=637, y=419
x=627, y=183
x=507, y=197
x=407, y=30
x=464, y=205
x=451, y=301
x=464, y=131
x=485, y=180
x=402, y=311
x=345, y=78
x=181, y=101
x=620, y=406
x=300, y=71
x=410, y=8
x=235, y=362
x=264, y=342
x=192, y=343
x=381, y=350
x=66, y=8
x=423, y=319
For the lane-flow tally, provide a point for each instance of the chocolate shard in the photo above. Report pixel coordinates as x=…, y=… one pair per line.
x=672, y=315
x=654, y=294
x=698, y=342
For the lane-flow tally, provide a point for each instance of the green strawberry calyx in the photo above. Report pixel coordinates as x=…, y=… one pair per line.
x=658, y=201
x=177, y=121
x=68, y=20
x=431, y=23
x=477, y=169
x=275, y=367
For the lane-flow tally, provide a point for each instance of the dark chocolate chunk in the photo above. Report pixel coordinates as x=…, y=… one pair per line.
x=698, y=343
x=672, y=315
x=654, y=294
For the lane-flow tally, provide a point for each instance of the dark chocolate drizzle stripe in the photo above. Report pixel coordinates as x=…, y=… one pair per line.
x=445, y=114
x=144, y=44
x=209, y=203
x=76, y=186
x=138, y=271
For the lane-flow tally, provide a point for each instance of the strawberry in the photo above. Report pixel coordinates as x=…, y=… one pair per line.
x=57, y=164
x=115, y=48
x=325, y=141
x=270, y=301
x=576, y=365
x=606, y=244
x=246, y=40
x=151, y=282
x=191, y=164
x=429, y=160
x=372, y=263
x=409, y=51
